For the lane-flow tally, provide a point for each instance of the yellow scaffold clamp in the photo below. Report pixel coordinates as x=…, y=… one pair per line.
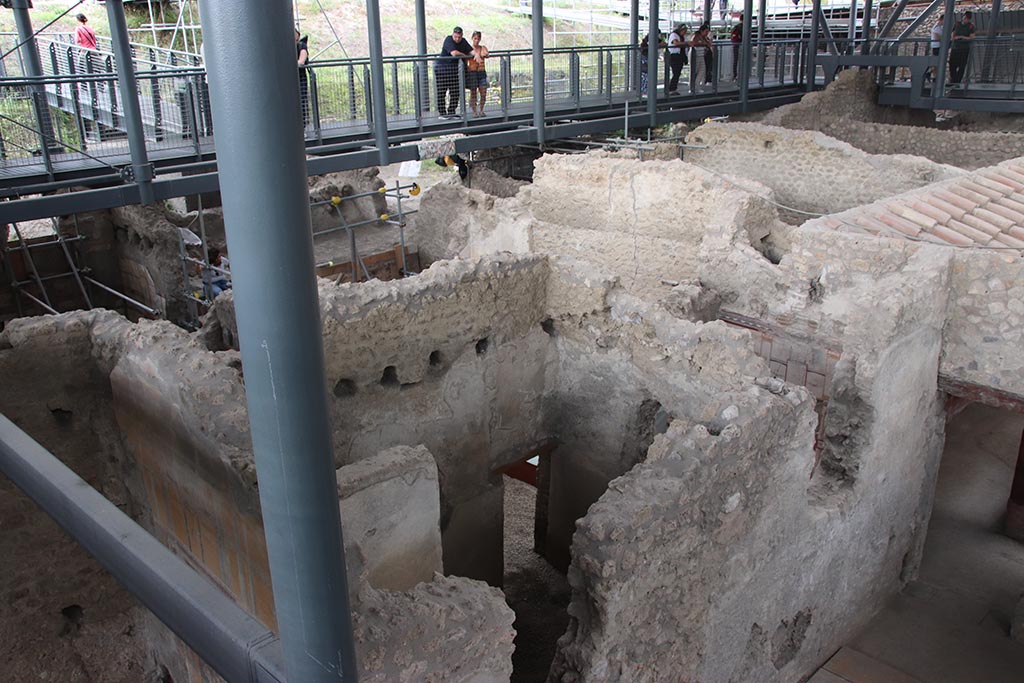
x=335, y=200
x=382, y=190
x=415, y=190
x=384, y=216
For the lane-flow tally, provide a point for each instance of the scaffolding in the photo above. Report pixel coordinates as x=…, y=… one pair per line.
x=202, y=294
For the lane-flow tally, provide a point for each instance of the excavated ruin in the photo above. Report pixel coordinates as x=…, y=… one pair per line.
x=733, y=390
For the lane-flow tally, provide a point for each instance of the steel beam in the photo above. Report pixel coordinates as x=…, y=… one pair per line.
x=851, y=28
x=653, y=30
x=34, y=70
x=826, y=32
x=865, y=28
x=634, y=40
x=939, y=86
x=422, y=67
x=746, y=53
x=266, y=215
x=893, y=18
x=812, y=45
x=379, y=100
x=142, y=170
x=762, y=53
x=919, y=19
x=234, y=644
x=538, y=69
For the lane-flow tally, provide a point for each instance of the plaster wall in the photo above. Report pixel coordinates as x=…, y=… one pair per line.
x=808, y=171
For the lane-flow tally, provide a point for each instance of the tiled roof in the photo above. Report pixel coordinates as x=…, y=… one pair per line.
x=985, y=208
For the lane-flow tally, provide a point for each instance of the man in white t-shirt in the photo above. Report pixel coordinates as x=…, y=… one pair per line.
x=936, y=42
x=676, y=56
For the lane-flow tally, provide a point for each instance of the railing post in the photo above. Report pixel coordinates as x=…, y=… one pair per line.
x=865, y=28
x=851, y=29
x=154, y=93
x=574, y=77
x=939, y=88
x=421, y=51
x=761, y=51
x=142, y=170
x=314, y=105
x=368, y=96
x=538, y=69
x=506, y=84
x=380, y=103
x=997, y=6
x=59, y=88
x=352, y=108
x=417, y=104
x=76, y=95
x=600, y=70
x=395, y=92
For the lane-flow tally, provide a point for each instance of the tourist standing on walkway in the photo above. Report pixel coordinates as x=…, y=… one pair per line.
x=302, y=57
x=736, y=37
x=702, y=45
x=963, y=33
x=476, y=75
x=84, y=35
x=446, y=72
x=676, y=56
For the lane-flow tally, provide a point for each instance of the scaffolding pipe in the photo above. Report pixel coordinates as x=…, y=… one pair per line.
x=124, y=297
x=235, y=644
x=379, y=100
x=653, y=47
x=142, y=170
x=45, y=307
x=267, y=220
x=538, y=69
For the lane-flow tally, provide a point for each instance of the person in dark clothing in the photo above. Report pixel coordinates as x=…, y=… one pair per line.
x=736, y=37
x=963, y=33
x=677, y=45
x=302, y=56
x=446, y=72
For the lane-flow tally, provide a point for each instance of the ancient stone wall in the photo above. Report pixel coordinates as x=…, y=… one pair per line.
x=689, y=541
x=965, y=149
x=984, y=332
x=806, y=170
x=189, y=478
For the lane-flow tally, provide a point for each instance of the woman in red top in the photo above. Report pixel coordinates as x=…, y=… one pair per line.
x=84, y=35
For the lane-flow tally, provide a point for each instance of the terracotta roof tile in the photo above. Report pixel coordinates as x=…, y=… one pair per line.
x=982, y=225
x=966, y=230
x=978, y=188
x=1016, y=232
x=952, y=237
x=995, y=219
x=1009, y=241
x=900, y=224
x=927, y=207
x=1016, y=203
x=910, y=214
x=1006, y=212
x=1001, y=184
x=954, y=210
x=970, y=195
x=1015, y=172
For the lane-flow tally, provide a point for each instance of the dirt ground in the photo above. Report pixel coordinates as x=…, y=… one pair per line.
x=537, y=592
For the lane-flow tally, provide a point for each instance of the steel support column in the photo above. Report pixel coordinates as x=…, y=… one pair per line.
x=762, y=7
x=746, y=54
x=379, y=102
x=653, y=31
x=865, y=28
x=34, y=70
x=949, y=18
x=1015, y=506
x=708, y=7
x=634, y=40
x=421, y=50
x=266, y=214
x=851, y=28
x=142, y=171
x=812, y=45
x=993, y=24
x=538, y=68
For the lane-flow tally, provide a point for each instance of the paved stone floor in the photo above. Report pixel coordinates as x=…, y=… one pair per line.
x=952, y=624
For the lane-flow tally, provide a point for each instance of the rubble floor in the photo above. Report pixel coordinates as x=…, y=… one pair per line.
x=951, y=625
x=537, y=592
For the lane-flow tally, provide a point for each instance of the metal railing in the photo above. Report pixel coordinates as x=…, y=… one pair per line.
x=80, y=88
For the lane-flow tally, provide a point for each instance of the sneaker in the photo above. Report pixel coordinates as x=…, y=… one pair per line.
x=673, y=93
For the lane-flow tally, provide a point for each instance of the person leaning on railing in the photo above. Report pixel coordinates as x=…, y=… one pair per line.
x=476, y=75
x=960, y=49
x=302, y=58
x=702, y=40
x=446, y=72
x=677, y=46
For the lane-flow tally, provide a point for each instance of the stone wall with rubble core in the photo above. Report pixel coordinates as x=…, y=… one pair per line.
x=808, y=171
x=645, y=222
x=167, y=437
x=733, y=552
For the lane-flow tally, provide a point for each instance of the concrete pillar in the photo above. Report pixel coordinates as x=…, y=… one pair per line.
x=1015, y=506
